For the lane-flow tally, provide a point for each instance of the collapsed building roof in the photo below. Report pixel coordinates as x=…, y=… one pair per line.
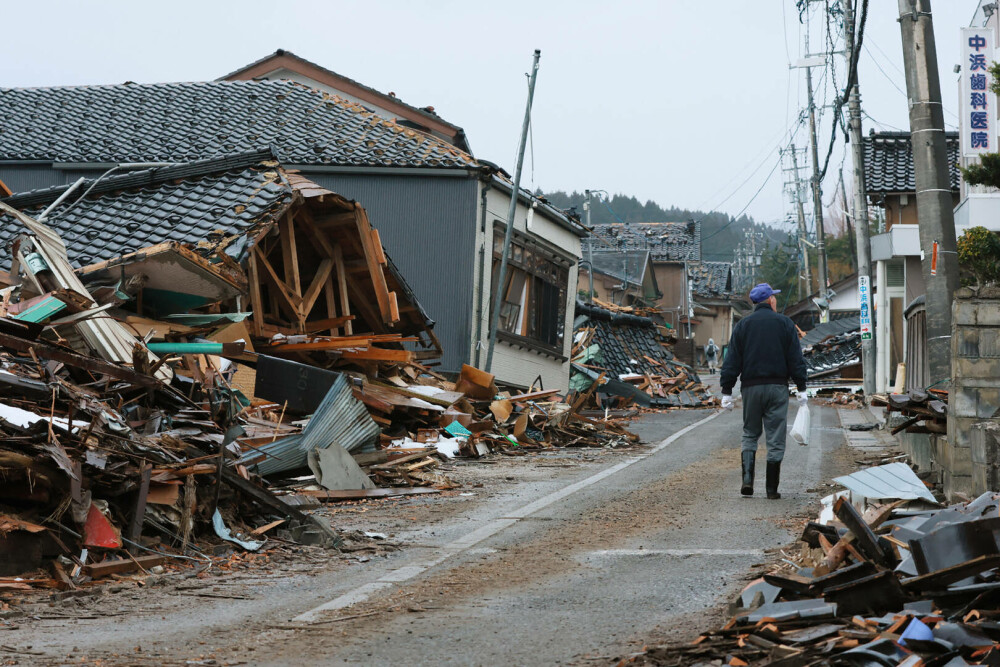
x=711, y=279
x=666, y=241
x=230, y=204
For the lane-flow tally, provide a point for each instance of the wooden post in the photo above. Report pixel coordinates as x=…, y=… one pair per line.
x=135, y=528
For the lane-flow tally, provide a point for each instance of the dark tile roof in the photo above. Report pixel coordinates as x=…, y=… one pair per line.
x=137, y=210
x=832, y=345
x=180, y=122
x=889, y=162
x=711, y=278
x=666, y=241
x=625, y=340
x=423, y=111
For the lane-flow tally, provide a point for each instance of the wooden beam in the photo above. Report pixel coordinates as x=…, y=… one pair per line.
x=319, y=280
x=92, y=364
x=119, y=566
x=345, y=303
x=374, y=266
x=256, y=304
x=330, y=294
x=290, y=255
x=315, y=326
x=135, y=528
x=378, y=354
x=305, y=218
x=292, y=299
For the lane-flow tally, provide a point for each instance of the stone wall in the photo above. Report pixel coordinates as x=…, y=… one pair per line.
x=975, y=387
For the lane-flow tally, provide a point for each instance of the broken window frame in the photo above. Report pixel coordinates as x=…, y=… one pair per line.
x=537, y=275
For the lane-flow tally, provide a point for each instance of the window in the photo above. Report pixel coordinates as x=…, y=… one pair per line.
x=534, y=293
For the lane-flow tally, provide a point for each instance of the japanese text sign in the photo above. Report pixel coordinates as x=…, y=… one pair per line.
x=865, y=315
x=979, y=103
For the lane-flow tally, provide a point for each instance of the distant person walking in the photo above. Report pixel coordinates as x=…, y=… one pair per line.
x=764, y=352
x=712, y=356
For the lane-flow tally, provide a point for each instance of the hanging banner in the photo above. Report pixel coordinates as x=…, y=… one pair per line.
x=978, y=117
x=864, y=296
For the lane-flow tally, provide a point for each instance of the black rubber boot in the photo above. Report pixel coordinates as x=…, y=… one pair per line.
x=749, y=459
x=773, y=475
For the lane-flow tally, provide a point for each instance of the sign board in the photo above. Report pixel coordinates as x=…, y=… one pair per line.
x=978, y=117
x=864, y=296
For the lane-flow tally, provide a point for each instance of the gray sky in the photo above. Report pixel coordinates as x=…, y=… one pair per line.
x=675, y=101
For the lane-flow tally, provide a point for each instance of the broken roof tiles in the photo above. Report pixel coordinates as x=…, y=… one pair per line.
x=666, y=241
x=711, y=279
x=178, y=122
x=186, y=204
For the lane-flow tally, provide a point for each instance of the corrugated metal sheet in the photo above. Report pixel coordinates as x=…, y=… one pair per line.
x=891, y=481
x=340, y=419
x=428, y=226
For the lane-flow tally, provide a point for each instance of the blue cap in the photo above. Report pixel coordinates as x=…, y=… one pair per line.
x=762, y=292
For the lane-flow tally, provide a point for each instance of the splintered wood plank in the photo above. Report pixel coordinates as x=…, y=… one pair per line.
x=378, y=354
x=290, y=255
x=345, y=303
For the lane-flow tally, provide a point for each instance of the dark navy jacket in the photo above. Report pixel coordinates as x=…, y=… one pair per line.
x=764, y=349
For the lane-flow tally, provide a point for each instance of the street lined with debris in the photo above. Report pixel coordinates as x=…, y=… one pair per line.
x=651, y=541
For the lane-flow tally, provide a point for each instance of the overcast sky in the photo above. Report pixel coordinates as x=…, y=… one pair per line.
x=678, y=101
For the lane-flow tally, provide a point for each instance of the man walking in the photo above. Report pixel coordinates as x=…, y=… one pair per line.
x=712, y=356
x=764, y=353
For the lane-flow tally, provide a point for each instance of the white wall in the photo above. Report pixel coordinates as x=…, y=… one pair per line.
x=512, y=364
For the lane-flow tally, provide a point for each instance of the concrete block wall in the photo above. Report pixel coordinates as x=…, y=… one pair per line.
x=974, y=397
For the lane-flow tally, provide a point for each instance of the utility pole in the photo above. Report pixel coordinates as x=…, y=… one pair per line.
x=590, y=247
x=861, y=228
x=817, y=192
x=515, y=193
x=803, y=248
x=930, y=162
x=847, y=222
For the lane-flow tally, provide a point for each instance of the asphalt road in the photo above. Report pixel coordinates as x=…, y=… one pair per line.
x=578, y=566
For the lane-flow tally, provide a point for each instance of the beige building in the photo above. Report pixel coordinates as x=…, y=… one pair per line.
x=694, y=296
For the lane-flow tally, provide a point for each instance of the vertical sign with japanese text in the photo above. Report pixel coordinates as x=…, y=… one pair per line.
x=865, y=315
x=979, y=103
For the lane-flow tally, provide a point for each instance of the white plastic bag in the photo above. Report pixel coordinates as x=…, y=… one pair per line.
x=800, y=427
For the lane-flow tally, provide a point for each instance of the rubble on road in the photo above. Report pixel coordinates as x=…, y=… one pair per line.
x=632, y=352
x=886, y=576
x=148, y=419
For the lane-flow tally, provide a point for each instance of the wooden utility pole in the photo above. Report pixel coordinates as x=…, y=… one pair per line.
x=817, y=192
x=934, y=198
x=861, y=228
x=803, y=248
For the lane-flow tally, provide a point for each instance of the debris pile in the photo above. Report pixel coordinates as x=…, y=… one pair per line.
x=922, y=411
x=633, y=353
x=833, y=350
x=145, y=413
x=899, y=581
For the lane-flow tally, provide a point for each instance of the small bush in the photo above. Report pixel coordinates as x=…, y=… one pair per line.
x=979, y=253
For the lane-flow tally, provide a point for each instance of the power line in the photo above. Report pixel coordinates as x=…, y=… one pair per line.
x=743, y=210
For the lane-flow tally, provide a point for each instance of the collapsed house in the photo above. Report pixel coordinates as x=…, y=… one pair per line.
x=627, y=354
x=260, y=357
x=439, y=210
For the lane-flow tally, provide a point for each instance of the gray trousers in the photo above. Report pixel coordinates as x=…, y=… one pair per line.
x=765, y=408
